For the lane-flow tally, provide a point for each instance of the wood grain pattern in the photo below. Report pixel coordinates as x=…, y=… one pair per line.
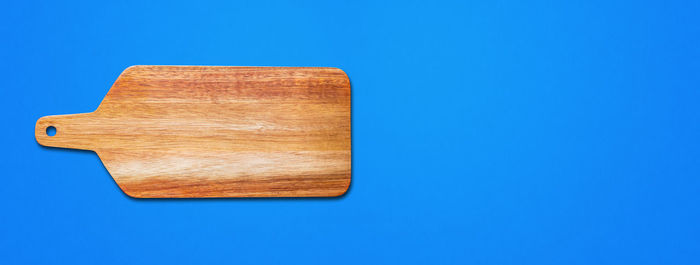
x=205, y=131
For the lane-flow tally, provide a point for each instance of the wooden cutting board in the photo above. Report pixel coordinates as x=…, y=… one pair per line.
x=211, y=131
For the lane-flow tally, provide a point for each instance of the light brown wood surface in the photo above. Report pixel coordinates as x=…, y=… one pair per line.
x=211, y=131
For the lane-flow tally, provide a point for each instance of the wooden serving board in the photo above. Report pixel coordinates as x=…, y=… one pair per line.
x=210, y=131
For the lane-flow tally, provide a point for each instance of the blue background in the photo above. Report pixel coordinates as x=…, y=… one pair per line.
x=484, y=132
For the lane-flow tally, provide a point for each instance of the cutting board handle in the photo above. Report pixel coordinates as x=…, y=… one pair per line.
x=70, y=131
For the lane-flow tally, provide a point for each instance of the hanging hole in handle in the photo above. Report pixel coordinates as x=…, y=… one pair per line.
x=50, y=131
